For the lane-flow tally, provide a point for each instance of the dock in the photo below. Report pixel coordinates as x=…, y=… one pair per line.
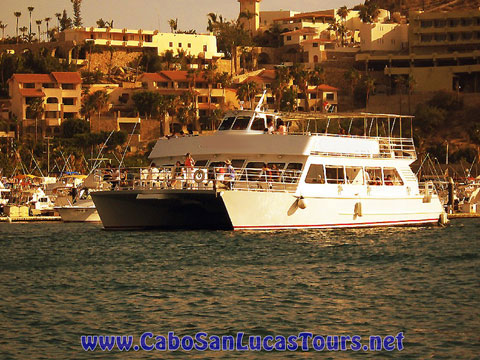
x=464, y=216
x=29, y=218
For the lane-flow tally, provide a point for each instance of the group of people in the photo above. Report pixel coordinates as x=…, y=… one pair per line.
x=281, y=128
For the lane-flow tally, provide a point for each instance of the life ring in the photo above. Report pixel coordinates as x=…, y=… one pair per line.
x=199, y=176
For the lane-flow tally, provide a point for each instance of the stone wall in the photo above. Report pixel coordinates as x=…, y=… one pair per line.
x=116, y=59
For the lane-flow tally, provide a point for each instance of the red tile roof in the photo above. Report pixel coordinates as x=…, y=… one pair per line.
x=33, y=78
x=183, y=75
x=31, y=93
x=307, y=15
x=67, y=77
x=154, y=77
x=323, y=88
x=304, y=31
x=266, y=76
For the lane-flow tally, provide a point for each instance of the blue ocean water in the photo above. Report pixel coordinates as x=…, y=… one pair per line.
x=61, y=281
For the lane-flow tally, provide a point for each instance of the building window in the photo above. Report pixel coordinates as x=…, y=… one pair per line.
x=289, y=38
x=52, y=100
x=148, y=38
x=205, y=48
x=48, y=86
x=68, y=101
x=29, y=85
x=315, y=45
x=330, y=96
x=69, y=115
x=68, y=86
x=170, y=44
x=189, y=45
x=51, y=115
x=315, y=59
x=180, y=45
x=304, y=37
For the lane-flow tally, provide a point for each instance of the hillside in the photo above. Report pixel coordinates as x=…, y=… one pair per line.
x=404, y=6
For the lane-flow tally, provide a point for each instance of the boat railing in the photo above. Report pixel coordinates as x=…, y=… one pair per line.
x=208, y=178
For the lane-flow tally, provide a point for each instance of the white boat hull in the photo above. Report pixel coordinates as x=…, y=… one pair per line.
x=248, y=210
x=78, y=214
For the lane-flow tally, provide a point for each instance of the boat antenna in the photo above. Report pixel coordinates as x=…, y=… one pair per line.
x=128, y=144
x=95, y=165
x=36, y=164
x=260, y=103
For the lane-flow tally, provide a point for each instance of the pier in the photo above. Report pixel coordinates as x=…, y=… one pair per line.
x=8, y=219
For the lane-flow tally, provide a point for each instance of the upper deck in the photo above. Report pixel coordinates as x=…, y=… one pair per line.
x=247, y=132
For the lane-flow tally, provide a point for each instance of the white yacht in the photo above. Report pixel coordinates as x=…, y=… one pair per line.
x=327, y=171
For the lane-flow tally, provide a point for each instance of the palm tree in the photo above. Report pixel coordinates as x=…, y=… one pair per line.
x=17, y=15
x=211, y=77
x=23, y=30
x=369, y=88
x=247, y=91
x=352, y=76
x=280, y=84
x=35, y=109
x=30, y=10
x=410, y=84
x=3, y=26
x=301, y=77
x=317, y=77
x=173, y=23
x=343, y=12
x=38, y=22
x=47, y=20
x=58, y=16
x=213, y=20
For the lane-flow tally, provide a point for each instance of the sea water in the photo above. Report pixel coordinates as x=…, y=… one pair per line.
x=61, y=281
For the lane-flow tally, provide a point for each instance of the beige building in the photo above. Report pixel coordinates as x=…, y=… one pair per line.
x=317, y=19
x=60, y=93
x=383, y=37
x=252, y=9
x=267, y=18
x=199, y=46
x=444, y=53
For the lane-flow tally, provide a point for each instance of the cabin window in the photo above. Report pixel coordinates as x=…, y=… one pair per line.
x=315, y=175
x=241, y=123
x=277, y=171
x=354, y=175
x=258, y=124
x=227, y=123
x=335, y=174
x=252, y=172
x=238, y=163
x=293, y=172
x=373, y=175
x=391, y=177
x=201, y=163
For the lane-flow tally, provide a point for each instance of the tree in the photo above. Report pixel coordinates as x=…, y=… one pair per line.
x=94, y=102
x=369, y=88
x=368, y=12
x=3, y=27
x=47, y=20
x=247, y=92
x=71, y=127
x=280, y=84
x=17, y=15
x=38, y=22
x=77, y=19
x=147, y=103
x=343, y=13
x=353, y=76
x=301, y=78
x=317, y=77
x=30, y=10
x=23, y=30
x=173, y=23
x=65, y=21
x=58, y=16
x=213, y=20
x=35, y=110
x=168, y=58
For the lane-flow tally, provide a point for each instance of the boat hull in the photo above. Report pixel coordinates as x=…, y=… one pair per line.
x=247, y=210
x=159, y=209
x=78, y=214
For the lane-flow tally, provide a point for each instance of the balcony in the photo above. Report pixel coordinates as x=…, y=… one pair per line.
x=53, y=122
x=7, y=134
x=52, y=107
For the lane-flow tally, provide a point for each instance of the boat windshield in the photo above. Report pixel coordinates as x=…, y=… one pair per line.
x=227, y=123
x=241, y=123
